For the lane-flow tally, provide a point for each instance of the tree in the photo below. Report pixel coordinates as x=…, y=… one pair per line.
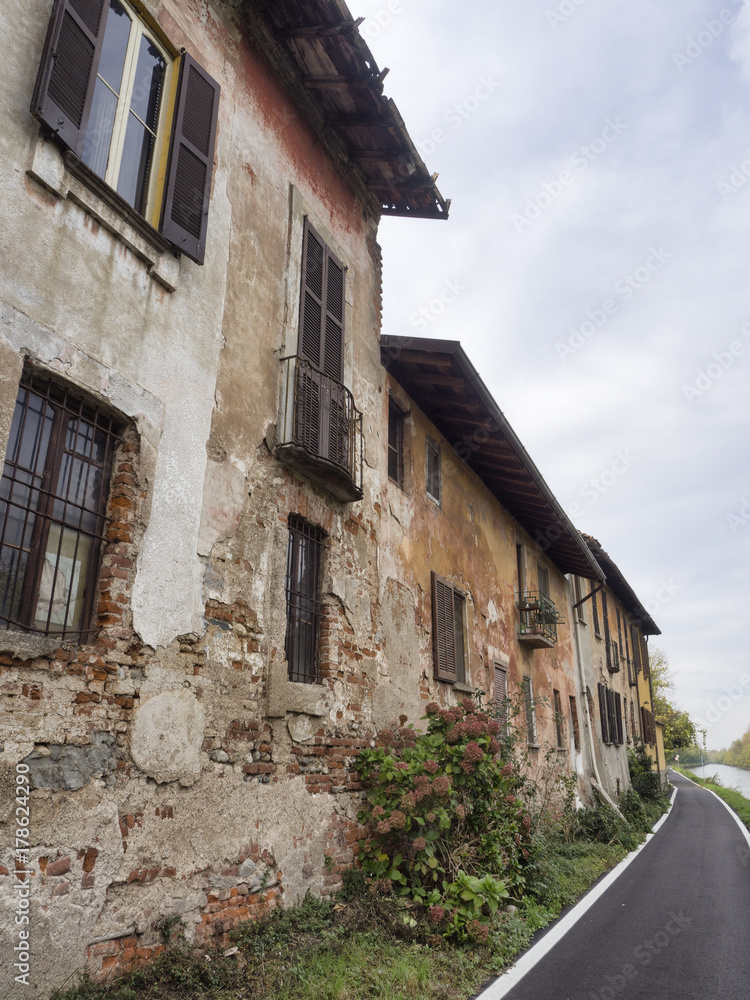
x=679, y=729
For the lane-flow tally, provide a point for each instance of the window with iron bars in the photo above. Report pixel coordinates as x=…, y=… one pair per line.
x=53, y=499
x=304, y=608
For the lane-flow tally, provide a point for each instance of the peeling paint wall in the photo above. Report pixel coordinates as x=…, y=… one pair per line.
x=620, y=676
x=470, y=540
x=175, y=770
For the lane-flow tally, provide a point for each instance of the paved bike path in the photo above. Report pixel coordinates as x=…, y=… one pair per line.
x=674, y=926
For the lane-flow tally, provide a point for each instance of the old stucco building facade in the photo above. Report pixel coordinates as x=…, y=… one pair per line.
x=229, y=514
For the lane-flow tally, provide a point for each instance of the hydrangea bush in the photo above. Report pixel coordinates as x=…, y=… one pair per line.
x=449, y=829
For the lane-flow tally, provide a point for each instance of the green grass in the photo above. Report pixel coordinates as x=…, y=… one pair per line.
x=365, y=948
x=733, y=799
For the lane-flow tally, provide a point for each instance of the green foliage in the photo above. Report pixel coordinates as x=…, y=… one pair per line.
x=644, y=780
x=466, y=903
x=601, y=824
x=559, y=872
x=679, y=730
x=736, y=755
x=443, y=807
x=633, y=809
x=353, y=884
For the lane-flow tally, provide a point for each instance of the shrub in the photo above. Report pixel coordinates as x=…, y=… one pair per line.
x=645, y=781
x=449, y=829
x=631, y=805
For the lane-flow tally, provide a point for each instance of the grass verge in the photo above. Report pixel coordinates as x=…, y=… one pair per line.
x=369, y=946
x=733, y=799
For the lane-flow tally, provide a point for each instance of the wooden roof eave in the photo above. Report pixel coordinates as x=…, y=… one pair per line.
x=317, y=47
x=622, y=589
x=539, y=510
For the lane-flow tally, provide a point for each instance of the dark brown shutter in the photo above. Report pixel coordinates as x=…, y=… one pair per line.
x=333, y=334
x=501, y=695
x=618, y=716
x=321, y=343
x=443, y=629
x=574, y=723
x=312, y=304
x=321, y=329
x=644, y=657
x=611, y=719
x=636, y=640
x=603, y=713
x=595, y=608
x=191, y=160
x=605, y=616
x=67, y=73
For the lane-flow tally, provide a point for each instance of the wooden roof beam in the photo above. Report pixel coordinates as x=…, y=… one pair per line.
x=319, y=30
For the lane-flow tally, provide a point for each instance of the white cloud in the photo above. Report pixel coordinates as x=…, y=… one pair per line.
x=657, y=186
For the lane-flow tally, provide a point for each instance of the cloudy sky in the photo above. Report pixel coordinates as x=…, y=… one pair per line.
x=598, y=250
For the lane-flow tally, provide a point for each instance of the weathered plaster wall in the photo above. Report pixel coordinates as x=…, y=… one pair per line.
x=70, y=282
x=176, y=770
x=470, y=540
x=612, y=760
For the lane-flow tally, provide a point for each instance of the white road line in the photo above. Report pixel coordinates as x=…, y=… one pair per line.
x=505, y=983
x=726, y=805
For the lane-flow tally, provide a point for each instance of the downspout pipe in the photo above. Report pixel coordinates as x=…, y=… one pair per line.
x=597, y=784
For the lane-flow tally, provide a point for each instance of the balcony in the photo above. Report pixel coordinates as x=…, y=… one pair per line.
x=320, y=430
x=538, y=620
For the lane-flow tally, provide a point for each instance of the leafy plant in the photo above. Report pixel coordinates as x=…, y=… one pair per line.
x=644, y=780
x=444, y=806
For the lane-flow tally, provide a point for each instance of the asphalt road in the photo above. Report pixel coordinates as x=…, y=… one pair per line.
x=674, y=926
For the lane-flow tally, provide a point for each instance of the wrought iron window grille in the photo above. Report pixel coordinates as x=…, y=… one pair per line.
x=53, y=498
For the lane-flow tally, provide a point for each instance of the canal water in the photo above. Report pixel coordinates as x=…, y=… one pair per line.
x=730, y=777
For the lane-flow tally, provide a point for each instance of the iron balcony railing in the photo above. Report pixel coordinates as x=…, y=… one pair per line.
x=320, y=429
x=538, y=616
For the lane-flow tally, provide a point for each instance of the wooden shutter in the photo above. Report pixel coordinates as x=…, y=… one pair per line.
x=611, y=717
x=67, y=73
x=443, y=629
x=574, y=723
x=333, y=331
x=636, y=641
x=603, y=718
x=644, y=657
x=501, y=695
x=647, y=728
x=528, y=697
x=618, y=716
x=321, y=343
x=321, y=328
x=607, y=644
x=595, y=608
x=191, y=160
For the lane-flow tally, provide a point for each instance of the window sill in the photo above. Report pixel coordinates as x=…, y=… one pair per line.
x=31, y=645
x=534, y=746
x=288, y=696
x=65, y=176
x=463, y=687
